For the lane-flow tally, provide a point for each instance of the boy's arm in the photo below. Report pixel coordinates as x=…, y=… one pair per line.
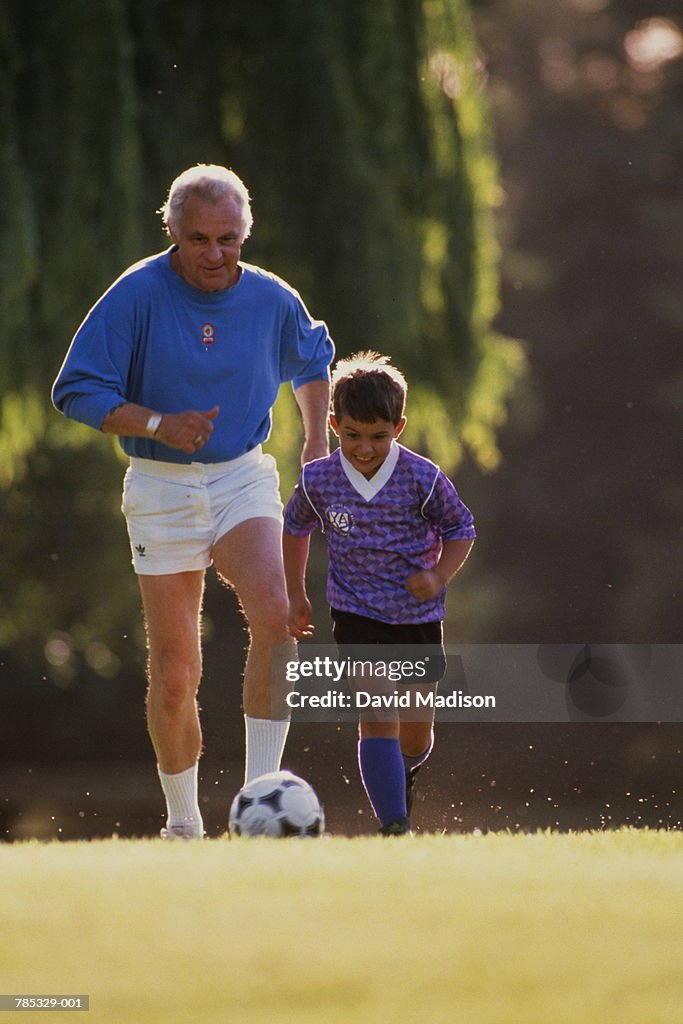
x=295, y=554
x=428, y=582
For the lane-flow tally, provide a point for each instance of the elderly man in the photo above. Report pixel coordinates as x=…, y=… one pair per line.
x=182, y=358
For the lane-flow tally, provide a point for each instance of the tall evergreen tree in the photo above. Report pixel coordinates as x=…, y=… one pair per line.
x=361, y=131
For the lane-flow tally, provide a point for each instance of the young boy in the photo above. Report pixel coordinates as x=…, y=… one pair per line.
x=397, y=533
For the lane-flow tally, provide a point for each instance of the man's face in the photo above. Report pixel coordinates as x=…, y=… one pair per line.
x=209, y=241
x=366, y=445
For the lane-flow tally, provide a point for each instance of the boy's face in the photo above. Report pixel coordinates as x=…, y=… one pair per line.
x=366, y=445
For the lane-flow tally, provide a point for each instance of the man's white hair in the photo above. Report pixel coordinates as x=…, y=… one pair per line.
x=210, y=182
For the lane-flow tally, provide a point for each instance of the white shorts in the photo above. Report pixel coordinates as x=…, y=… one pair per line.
x=175, y=513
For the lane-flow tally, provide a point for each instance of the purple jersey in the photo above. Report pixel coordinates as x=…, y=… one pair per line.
x=379, y=531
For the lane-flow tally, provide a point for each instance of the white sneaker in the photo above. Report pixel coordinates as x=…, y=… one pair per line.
x=180, y=832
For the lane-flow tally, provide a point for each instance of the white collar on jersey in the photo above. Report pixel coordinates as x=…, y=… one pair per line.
x=369, y=488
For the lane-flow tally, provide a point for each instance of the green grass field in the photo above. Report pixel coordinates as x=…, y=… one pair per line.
x=492, y=929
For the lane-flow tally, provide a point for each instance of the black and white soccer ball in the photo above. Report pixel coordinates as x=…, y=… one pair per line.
x=278, y=805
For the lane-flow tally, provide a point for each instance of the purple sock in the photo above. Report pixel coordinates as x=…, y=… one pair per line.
x=413, y=761
x=383, y=775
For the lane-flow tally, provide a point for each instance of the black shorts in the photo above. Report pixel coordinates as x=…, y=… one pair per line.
x=354, y=633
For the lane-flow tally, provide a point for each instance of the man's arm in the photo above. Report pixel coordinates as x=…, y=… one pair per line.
x=313, y=399
x=188, y=431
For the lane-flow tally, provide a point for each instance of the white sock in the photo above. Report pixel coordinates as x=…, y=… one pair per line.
x=182, y=803
x=265, y=744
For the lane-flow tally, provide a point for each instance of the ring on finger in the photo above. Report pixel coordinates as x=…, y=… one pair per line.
x=198, y=440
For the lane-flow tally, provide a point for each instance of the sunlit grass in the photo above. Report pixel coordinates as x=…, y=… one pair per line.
x=492, y=929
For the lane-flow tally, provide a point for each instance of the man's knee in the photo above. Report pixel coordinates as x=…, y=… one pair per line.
x=268, y=620
x=173, y=678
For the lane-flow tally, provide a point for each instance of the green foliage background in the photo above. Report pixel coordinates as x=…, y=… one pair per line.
x=362, y=133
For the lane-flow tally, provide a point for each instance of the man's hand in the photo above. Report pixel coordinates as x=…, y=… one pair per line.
x=188, y=431
x=314, y=450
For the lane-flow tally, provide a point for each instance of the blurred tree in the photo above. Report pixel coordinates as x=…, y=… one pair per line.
x=587, y=98
x=70, y=173
x=361, y=130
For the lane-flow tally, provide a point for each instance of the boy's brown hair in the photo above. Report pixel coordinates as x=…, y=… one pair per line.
x=366, y=387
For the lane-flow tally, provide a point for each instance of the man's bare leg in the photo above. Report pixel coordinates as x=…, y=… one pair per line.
x=249, y=558
x=172, y=607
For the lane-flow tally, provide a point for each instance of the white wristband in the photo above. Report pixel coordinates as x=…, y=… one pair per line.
x=153, y=424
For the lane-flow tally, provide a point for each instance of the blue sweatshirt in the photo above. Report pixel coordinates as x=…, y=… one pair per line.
x=155, y=340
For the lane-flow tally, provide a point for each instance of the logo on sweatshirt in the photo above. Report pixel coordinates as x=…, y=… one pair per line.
x=208, y=334
x=339, y=518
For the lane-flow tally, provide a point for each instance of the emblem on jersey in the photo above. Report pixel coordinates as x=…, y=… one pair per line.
x=208, y=334
x=339, y=518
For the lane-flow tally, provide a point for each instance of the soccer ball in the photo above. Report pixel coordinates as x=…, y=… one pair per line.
x=278, y=805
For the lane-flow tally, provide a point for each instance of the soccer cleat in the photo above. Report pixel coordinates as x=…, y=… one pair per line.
x=400, y=827
x=410, y=788
x=183, y=832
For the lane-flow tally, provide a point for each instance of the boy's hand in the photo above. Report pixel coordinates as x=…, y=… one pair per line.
x=299, y=622
x=428, y=582
x=424, y=584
